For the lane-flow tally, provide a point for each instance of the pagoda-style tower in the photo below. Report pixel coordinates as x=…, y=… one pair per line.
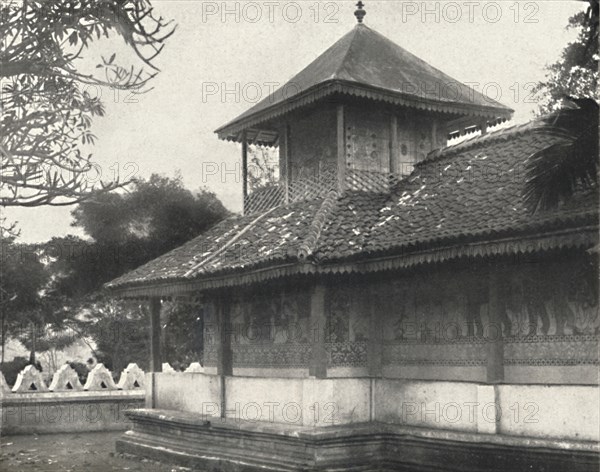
x=357, y=118
x=360, y=330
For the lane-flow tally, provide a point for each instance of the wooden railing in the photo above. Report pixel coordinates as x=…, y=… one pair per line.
x=312, y=188
x=264, y=199
x=370, y=181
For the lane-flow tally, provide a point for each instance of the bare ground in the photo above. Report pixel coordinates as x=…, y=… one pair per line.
x=72, y=452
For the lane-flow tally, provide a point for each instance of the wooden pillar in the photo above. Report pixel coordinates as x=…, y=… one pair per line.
x=244, y=167
x=434, y=133
x=395, y=164
x=155, y=330
x=318, y=322
x=341, y=148
x=495, y=341
x=224, y=351
x=284, y=160
x=289, y=157
x=483, y=124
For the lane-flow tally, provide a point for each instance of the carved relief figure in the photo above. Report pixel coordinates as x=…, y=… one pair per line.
x=338, y=315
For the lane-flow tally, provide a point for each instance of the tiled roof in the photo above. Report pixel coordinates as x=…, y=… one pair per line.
x=365, y=63
x=471, y=192
x=236, y=244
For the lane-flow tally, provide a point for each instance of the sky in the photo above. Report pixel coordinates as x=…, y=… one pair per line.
x=225, y=56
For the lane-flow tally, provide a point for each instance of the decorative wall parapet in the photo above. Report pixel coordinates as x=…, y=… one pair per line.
x=4, y=388
x=100, y=378
x=194, y=367
x=30, y=380
x=131, y=378
x=65, y=379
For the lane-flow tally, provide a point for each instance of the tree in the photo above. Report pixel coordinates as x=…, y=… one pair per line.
x=119, y=329
x=182, y=333
x=569, y=100
x=555, y=173
x=57, y=285
x=262, y=167
x=576, y=73
x=46, y=110
x=127, y=230
x=23, y=280
x=155, y=216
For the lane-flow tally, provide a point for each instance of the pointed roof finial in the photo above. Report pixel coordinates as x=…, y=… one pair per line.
x=360, y=13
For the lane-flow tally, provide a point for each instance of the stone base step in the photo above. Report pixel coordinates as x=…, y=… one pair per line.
x=216, y=444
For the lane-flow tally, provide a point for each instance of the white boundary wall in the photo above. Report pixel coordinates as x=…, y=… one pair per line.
x=537, y=411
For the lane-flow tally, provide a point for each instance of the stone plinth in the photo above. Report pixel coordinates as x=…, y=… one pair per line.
x=216, y=444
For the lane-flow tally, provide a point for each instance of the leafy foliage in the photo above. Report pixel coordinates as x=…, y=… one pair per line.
x=11, y=369
x=555, y=173
x=46, y=110
x=183, y=334
x=120, y=330
x=576, y=73
x=128, y=229
x=262, y=167
x=570, y=96
x=58, y=284
x=25, y=298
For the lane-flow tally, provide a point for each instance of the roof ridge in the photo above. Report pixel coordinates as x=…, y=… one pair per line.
x=307, y=248
x=352, y=33
x=228, y=243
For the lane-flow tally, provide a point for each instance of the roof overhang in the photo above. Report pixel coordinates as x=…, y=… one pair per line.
x=581, y=238
x=259, y=129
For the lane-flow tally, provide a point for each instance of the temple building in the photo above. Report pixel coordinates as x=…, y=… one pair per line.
x=390, y=303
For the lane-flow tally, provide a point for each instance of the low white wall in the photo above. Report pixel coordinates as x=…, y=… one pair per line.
x=550, y=411
x=66, y=412
x=309, y=401
x=563, y=412
x=439, y=405
x=193, y=392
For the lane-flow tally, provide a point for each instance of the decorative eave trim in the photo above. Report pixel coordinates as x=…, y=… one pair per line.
x=232, y=131
x=183, y=287
x=522, y=245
